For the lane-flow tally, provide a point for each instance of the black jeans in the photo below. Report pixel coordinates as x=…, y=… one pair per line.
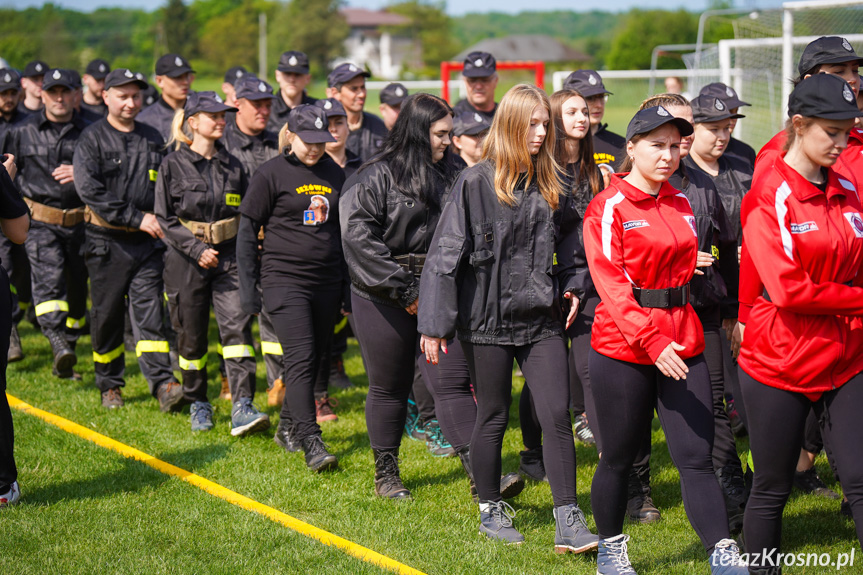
x=303, y=318
x=626, y=395
x=8, y=471
x=545, y=371
x=777, y=419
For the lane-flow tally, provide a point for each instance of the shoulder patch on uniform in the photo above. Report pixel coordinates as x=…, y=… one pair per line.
x=691, y=221
x=856, y=223
x=632, y=224
x=804, y=227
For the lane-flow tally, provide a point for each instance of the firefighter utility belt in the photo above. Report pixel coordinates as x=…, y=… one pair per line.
x=55, y=216
x=412, y=263
x=213, y=233
x=95, y=219
x=662, y=298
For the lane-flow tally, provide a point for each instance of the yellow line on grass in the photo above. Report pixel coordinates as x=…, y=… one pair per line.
x=217, y=490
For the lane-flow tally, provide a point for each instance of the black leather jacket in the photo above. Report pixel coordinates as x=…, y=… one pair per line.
x=489, y=276
x=39, y=149
x=115, y=172
x=368, y=140
x=379, y=222
x=195, y=188
x=252, y=151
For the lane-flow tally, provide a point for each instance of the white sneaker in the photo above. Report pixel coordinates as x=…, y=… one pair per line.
x=11, y=497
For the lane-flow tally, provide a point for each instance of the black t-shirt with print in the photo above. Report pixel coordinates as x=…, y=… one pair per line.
x=298, y=206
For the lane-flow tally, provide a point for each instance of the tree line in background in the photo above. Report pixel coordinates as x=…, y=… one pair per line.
x=218, y=34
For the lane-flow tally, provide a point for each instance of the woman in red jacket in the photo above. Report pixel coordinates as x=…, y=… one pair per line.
x=803, y=229
x=647, y=341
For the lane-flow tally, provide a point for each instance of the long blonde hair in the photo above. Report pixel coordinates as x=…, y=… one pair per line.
x=180, y=131
x=285, y=139
x=506, y=146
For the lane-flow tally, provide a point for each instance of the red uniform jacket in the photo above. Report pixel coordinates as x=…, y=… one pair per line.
x=849, y=166
x=803, y=244
x=633, y=239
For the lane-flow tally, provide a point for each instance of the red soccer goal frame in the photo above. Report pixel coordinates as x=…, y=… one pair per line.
x=447, y=68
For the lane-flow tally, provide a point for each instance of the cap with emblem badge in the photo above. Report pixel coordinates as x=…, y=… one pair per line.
x=34, y=68
x=709, y=109
x=122, y=77
x=9, y=80
x=725, y=93
x=479, y=65
x=209, y=102
x=235, y=74
x=293, y=62
x=310, y=124
x=59, y=77
x=332, y=107
x=827, y=50
x=823, y=96
x=98, y=69
x=172, y=65
x=586, y=82
x=470, y=124
x=648, y=119
x=252, y=88
x=345, y=73
x=393, y=94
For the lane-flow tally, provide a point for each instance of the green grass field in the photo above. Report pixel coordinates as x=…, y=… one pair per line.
x=88, y=510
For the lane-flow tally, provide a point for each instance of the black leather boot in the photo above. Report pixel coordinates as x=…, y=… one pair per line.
x=387, y=481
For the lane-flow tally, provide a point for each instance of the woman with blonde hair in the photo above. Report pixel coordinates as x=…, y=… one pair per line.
x=198, y=193
x=489, y=280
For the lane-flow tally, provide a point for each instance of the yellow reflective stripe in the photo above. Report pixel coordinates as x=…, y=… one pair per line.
x=151, y=346
x=193, y=364
x=25, y=305
x=108, y=357
x=341, y=325
x=750, y=462
x=73, y=323
x=13, y=289
x=51, y=306
x=271, y=348
x=153, y=175
x=219, y=349
x=165, y=294
x=233, y=351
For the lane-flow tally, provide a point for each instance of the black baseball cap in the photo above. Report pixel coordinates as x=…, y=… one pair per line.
x=332, y=107
x=586, y=82
x=172, y=65
x=205, y=102
x=34, y=68
x=393, y=94
x=709, y=109
x=293, y=62
x=252, y=88
x=725, y=93
x=823, y=96
x=648, y=119
x=9, y=80
x=479, y=65
x=827, y=50
x=98, y=69
x=345, y=73
x=59, y=77
x=235, y=74
x=470, y=124
x=122, y=77
x=76, y=78
x=310, y=124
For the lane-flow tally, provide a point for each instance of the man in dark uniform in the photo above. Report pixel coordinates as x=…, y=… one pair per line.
x=174, y=76
x=31, y=82
x=480, y=78
x=347, y=84
x=292, y=76
x=729, y=97
x=608, y=147
x=13, y=256
x=391, y=98
x=232, y=76
x=116, y=164
x=88, y=116
x=149, y=95
x=94, y=82
x=44, y=145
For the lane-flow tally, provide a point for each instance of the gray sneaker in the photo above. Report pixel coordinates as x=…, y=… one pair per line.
x=201, y=416
x=571, y=534
x=496, y=522
x=613, y=558
x=246, y=419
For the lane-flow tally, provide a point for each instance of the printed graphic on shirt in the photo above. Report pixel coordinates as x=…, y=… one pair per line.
x=317, y=212
x=856, y=223
x=804, y=227
x=314, y=189
x=632, y=224
x=604, y=158
x=691, y=221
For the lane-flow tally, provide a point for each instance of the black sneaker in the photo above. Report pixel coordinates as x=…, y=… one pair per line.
x=285, y=439
x=581, y=430
x=317, y=457
x=112, y=399
x=15, y=351
x=170, y=396
x=809, y=482
x=734, y=491
x=532, y=464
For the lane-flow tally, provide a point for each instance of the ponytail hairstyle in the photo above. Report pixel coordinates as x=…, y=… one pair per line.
x=666, y=101
x=286, y=137
x=506, y=147
x=588, y=171
x=180, y=131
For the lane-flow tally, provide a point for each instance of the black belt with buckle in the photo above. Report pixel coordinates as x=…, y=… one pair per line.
x=663, y=298
x=412, y=262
